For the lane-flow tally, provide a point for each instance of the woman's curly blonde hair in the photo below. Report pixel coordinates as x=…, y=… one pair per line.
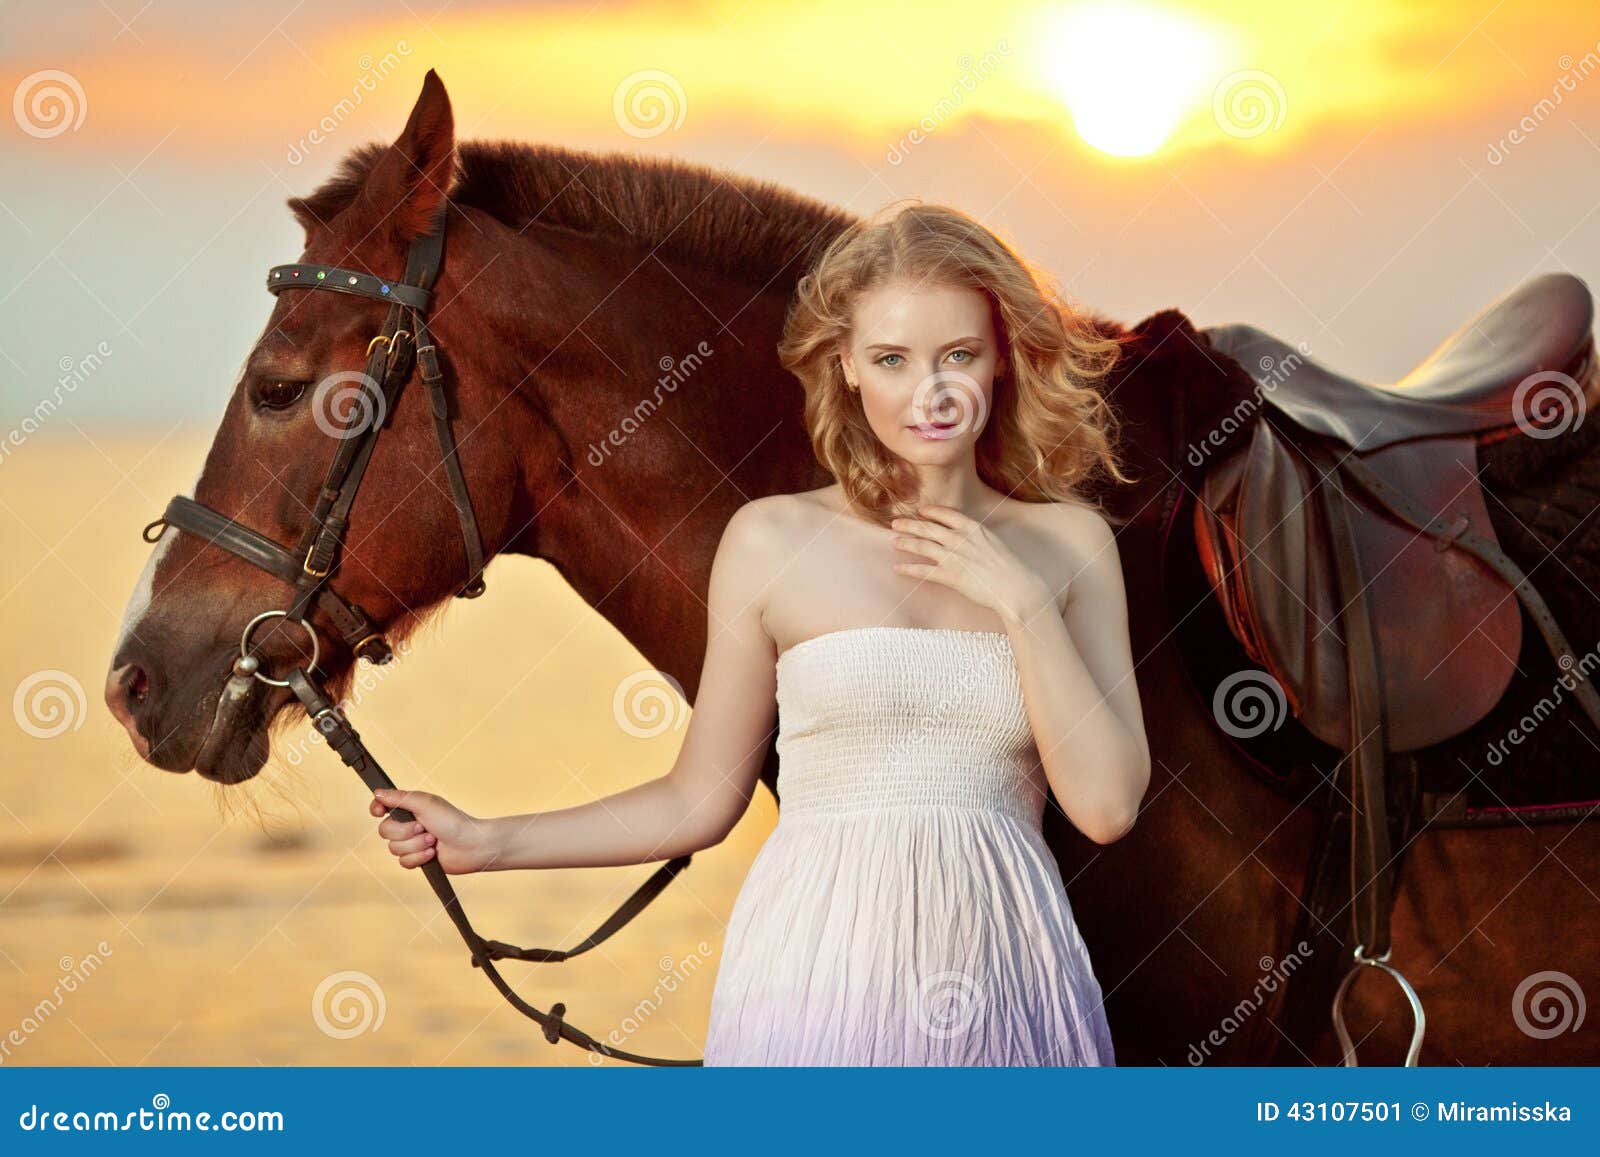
x=1049, y=430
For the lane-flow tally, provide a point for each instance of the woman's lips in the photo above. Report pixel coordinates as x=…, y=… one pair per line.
x=935, y=432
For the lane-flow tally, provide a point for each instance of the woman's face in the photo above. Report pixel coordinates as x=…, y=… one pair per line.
x=924, y=358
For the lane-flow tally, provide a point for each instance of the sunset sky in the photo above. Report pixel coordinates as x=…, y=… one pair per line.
x=1361, y=177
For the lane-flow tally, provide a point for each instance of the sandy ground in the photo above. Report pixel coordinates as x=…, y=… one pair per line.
x=150, y=918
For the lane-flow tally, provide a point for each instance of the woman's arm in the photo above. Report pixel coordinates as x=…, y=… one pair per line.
x=1083, y=701
x=691, y=807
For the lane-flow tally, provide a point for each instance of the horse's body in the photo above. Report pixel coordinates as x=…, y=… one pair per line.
x=611, y=326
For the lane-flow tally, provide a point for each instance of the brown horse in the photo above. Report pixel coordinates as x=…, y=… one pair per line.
x=609, y=325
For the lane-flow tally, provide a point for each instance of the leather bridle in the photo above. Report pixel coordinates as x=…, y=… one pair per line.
x=403, y=345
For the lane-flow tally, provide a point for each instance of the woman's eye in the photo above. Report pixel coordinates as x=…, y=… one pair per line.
x=966, y=355
x=884, y=360
x=279, y=395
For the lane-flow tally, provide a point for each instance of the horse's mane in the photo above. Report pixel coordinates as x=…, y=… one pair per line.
x=714, y=218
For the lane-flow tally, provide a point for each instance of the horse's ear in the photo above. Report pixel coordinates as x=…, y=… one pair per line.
x=406, y=187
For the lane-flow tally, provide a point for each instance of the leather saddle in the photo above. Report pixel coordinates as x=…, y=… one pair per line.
x=1447, y=625
x=1347, y=540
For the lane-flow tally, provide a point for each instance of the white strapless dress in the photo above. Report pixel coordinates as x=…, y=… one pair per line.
x=905, y=910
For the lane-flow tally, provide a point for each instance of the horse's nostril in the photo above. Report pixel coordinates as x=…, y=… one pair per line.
x=127, y=688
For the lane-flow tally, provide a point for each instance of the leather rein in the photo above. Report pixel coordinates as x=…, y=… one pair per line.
x=403, y=346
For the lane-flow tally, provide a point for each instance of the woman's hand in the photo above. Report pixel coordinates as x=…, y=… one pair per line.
x=965, y=555
x=463, y=843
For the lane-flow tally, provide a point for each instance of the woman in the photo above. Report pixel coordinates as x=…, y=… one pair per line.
x=942, y=634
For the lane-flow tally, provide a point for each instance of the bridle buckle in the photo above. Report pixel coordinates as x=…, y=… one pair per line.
x=310, y=570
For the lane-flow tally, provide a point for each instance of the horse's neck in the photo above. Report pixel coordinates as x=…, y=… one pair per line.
x=632, y=522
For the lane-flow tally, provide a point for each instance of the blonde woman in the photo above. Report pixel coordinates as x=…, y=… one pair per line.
x=942, y=638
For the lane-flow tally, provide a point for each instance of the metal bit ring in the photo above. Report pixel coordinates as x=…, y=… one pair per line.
x=252, y=664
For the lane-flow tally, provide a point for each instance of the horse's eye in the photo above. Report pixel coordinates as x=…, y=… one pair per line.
x=273, y=395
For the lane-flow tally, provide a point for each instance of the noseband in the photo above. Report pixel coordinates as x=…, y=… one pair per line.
x=402, y=346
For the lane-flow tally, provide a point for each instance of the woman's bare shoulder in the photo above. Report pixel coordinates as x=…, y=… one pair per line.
x=765, y=528
x=1076, y=525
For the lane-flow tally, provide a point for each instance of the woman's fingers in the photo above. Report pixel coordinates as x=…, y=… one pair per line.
x=393, y=797
x=947, y=516
x=414, y=844
x=911, y=544
x=393, y=829
x=417, y=859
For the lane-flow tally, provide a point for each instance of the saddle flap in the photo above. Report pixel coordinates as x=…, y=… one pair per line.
x=1448, y=628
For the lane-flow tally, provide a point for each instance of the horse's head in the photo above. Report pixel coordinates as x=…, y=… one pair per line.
x=403, y=550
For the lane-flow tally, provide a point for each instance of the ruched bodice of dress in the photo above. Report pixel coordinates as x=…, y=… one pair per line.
x=878, y=717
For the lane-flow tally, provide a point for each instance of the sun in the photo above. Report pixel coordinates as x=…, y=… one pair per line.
x=1130, y=73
